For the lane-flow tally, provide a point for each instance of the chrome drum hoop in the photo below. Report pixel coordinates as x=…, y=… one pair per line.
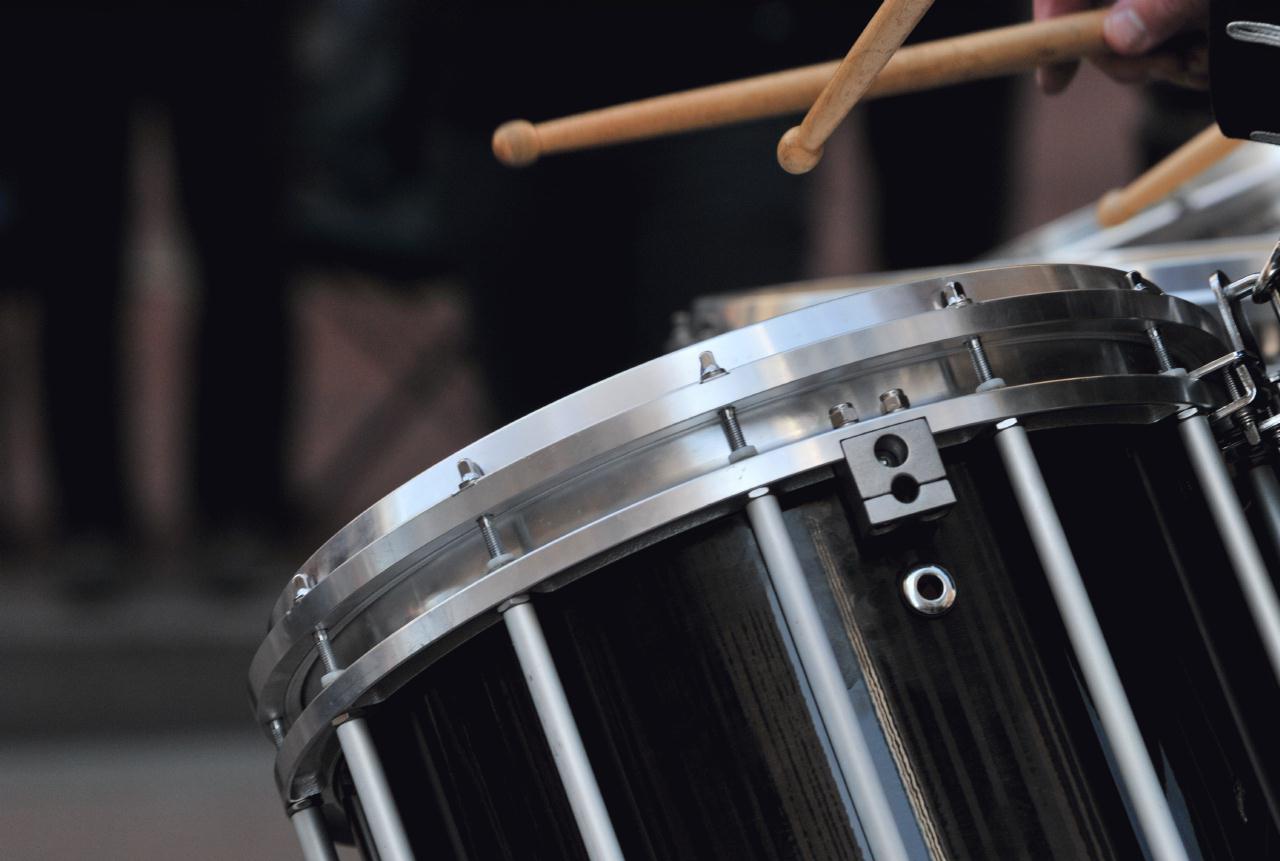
x=389, y=612
x=1181, y=268
x=781, y=398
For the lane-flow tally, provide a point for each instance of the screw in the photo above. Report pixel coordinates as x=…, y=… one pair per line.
x=469, y=472
x=1138, y=282
x=842, y=415
x=1245, y=416
x=301, y=583
x=1162, y=352
x=893, y=400
x=980, y=363
x=277, y=731
x=325, y=648
x=732, y=430
x=709, y=369
x=953, y=295
x=492, y=543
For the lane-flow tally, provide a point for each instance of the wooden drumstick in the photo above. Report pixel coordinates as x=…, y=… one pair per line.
x=975, y=56
x=1189, y=161
x=800, y=149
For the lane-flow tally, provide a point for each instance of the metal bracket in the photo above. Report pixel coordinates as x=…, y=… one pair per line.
x=1250, y=392
x=1217, y=365
x=1231, y=363
x=897, y=473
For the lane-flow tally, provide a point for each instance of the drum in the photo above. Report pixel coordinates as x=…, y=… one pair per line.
x=1225, y=219
x=1238, y=196
x=955, y=569
x=1181, y=268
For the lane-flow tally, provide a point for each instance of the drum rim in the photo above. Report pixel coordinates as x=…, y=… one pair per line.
x=308, y=746
x=677, y=371
x=285, y=658
x=433, y=525
x=723, y=312
x=450, y=525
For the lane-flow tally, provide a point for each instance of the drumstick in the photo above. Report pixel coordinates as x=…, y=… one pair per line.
x=975, y=56
x=1189, y=161
x=800, y=149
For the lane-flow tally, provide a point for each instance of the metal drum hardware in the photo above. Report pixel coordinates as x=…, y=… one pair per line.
x=718, y=615
x=929, y=590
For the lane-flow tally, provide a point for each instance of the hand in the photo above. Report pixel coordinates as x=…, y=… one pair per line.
x=1133, y=27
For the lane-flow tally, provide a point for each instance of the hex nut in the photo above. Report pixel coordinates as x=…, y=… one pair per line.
x=893, y=400
x=842, y=415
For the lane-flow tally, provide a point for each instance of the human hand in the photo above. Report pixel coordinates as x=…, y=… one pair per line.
x=1133, y=27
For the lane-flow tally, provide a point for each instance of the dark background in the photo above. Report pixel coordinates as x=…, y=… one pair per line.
x=257, y=267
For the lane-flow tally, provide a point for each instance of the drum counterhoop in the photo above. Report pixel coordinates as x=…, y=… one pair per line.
x=796, y=691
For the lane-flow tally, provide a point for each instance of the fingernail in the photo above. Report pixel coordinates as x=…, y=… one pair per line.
x=1125, y=31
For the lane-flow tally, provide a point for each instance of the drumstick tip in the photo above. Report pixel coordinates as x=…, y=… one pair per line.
x=1114, y=208
x=794, y=156
x=515, y=143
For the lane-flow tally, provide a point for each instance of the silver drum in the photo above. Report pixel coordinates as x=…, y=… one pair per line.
x=906, y=406
x=1181, y=268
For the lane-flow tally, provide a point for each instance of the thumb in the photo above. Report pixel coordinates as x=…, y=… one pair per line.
x=1137, y=26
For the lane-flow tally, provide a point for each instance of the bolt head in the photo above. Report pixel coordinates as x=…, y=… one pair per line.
x=893, y=400
x=708, y=368
x=1139, y=282
x=469, y=472
x=953, y=295
x=300, y=584
x=842, y=415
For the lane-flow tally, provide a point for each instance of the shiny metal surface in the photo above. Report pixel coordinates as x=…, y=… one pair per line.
x=675, y=372
x=1124, y=738
x=414, y=643
x=652, y=427
x=929, y=590
x=842, y=414
x=313, y=836
x=1181, y=268
x=376, y=801
x=825, y=679
x=897, y=473
x=562, y=732
x=1228, y=515
x=641, y=456
x=1237, y=197
x=893, y=400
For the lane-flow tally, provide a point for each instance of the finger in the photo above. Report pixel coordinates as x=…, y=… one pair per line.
x=1184, y=69
x=1137, y=26
x=1054, y=79
x=1124, y=70
x=1053, y=8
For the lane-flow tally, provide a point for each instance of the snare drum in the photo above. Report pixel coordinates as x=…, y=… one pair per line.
x=1181, y=268
x=946, y=570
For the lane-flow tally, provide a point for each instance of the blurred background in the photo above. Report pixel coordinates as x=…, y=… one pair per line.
x=258, y=267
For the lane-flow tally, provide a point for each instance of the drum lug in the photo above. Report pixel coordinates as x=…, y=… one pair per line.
x=897, y=474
